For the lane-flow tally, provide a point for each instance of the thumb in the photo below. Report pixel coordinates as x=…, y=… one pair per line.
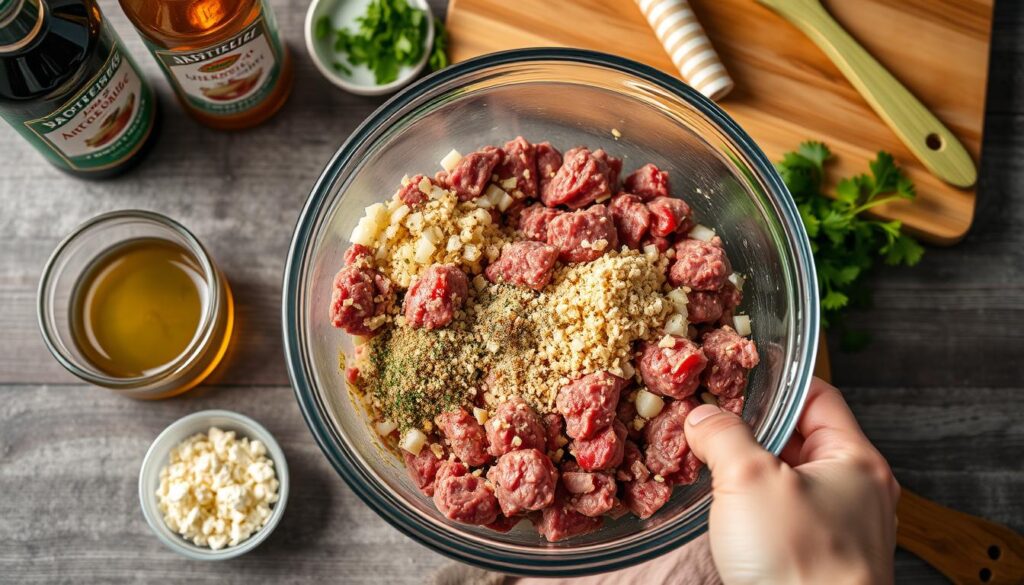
x=723, y=441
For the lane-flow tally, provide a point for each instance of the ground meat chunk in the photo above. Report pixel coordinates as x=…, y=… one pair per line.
x=524, y=263
x=672, y=371
x=464, y=497
x=359, y=295
x=648, y=182
x=669, y=216
x=432, y=300
x=731, y=297
x=472, y=173
x=688, y=473
x=534, y=221
x=520, y=163
x=412, y=192
x=626, y=413
x=700, y=265
x=730, y=358
x=357, y=252
x=590, y=494
x=554, y=426
x=611, y=167
x=666, y=448
x=524, y=480
x=582, y=179
x=549, y=160
x=733, y=405
x=588, y=403
x=558, y=522
x=641, y=493
x=515, y=425
x=423, y=468
x=632, y=219
x=602, y=451
x=584, y=235
x=703, y=306
x=466, y=437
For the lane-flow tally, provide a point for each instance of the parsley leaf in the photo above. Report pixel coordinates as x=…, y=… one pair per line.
x=390, y=35
x=845, y=243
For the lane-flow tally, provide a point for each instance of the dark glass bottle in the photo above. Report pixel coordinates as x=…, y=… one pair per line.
x=69, y=87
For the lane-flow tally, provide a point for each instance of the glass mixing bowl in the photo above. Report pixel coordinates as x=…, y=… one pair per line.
x=569, y=97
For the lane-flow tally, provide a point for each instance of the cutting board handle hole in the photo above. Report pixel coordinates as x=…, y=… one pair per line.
x=994, y=552
x=934, y=141
x=985, y=575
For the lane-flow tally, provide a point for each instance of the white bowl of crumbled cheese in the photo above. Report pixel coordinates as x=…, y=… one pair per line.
x=213, y=485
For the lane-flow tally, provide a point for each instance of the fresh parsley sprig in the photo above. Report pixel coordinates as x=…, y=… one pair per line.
x=392, y=33
x=845, y=242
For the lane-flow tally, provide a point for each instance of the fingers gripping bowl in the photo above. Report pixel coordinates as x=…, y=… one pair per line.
x=569, y=98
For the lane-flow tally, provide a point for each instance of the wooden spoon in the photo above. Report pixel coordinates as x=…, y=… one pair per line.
x=964, y=548
x=923, y=133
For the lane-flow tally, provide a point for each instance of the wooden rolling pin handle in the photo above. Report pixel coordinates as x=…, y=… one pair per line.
x=964, y=548
x=927, y=137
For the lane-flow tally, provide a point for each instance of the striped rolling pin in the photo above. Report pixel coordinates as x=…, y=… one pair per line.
x=688, y=46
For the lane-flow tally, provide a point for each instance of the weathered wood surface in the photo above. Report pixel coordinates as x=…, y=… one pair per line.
x=939, y=390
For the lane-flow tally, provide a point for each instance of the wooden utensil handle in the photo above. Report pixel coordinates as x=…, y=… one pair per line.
x=923, y=133
x=965, y=548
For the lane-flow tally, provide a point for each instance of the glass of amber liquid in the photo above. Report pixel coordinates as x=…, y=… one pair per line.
x=224, y=58
x=131, y=301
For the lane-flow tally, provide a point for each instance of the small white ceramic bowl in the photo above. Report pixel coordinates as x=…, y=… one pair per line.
x=157, y=457
x=343, y=14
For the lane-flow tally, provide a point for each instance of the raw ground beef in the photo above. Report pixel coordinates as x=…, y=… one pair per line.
x=466, y=437
x=423, y=469
x=730, y=358
x=524, y=480
x=472, y=173
x=525, y=263
x=558, y=521
x=520, y=163
x=700, y=265
x=602, y=451
x=464, y=497
x=515, y=425
x=359, y=294
x=584, y=235
x=648, y=182
x=666, y=448
x=590, y=494
x=672, y=371
x=588, y=403
x=632, y=219
x=584, y=177
x=534, y=221
x=432, y=300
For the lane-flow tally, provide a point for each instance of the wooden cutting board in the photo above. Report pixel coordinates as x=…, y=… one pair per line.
x=787, y=91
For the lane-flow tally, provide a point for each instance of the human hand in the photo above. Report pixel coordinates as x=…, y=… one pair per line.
x=823, y=512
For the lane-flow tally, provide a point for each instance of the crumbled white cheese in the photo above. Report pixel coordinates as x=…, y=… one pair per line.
x=217, y=490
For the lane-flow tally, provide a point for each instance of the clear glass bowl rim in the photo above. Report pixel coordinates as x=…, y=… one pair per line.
x=561, y=562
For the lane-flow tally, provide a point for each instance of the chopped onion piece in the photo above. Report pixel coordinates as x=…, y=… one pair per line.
x=505, y=202
x=509, y=183
x=648, y=405
x=386, y=427
x=676, y=325
x=482, y=217
x=433, y=233
x=742, y=324
x=450, y=160
x=471, y=252
x=399, y=214
x=480, y=414
x=414, y=221
x=424, y=250
x=627, y=370
x=413, y=441
x=454, y=243
x=494, y=193
x=378, y=214
x=703, y=233
x=364, y=233
x=437, y=192
x=651, y=252
x=679, y=301
x=483, y=202
x=737, y=280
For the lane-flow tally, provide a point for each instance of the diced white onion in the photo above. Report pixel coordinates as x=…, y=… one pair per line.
x=742, y=324
x=450, y=160
x=437, y=192
x=424, y=250
x=480, y=414
x=378, y=214
x=425, y=186
x=471, y=252
x=679, y=301
x=651, y=252
x=386, y=427
x=676, y=325
x=399, y=214
x=494, y=193
x=454, y=243
x=648, y=405
x=413, y=441
x=505, y=202
x=482, y=217
x=364, y=233
x=737, y=280
x=509, y=183
x=628, y=371
x=433, y=234
x=483, y=202
x=414, y=221
x=703, y=233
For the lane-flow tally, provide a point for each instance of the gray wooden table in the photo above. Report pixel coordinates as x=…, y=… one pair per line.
x=939, y=390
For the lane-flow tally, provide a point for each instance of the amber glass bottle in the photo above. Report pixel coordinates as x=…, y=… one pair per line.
x=68, y=87
x=224, y=58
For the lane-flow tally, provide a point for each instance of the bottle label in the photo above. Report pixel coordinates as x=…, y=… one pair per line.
x=105, y=123
x=230, y=77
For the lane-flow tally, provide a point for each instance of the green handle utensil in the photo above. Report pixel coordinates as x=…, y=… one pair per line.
x=923, y=133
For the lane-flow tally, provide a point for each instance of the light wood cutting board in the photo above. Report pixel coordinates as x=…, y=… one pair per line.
x=787, y=91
